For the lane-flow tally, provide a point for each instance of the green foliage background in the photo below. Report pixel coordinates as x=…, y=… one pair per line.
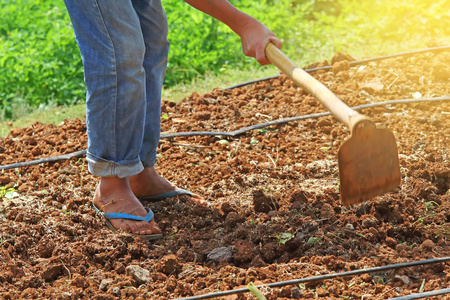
x=40, y=62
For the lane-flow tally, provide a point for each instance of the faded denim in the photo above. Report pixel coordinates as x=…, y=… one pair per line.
x=124, y=48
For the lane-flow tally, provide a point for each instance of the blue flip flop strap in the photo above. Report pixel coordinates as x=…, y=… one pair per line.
x=147, y=218
x=170, y=194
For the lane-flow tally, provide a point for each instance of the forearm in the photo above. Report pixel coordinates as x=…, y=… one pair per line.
x=221, y=10
x=254, y=35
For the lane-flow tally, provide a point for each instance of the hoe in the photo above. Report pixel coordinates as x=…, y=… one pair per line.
x=368, y=160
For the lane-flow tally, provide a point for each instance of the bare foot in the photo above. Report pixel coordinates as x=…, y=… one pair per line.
x=113, y=195
x=150, y=183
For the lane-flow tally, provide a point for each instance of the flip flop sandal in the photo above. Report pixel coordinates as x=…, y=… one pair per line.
x=163, y=196
x=147, y=218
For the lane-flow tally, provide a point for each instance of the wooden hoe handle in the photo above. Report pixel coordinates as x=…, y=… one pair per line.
x=338, y=108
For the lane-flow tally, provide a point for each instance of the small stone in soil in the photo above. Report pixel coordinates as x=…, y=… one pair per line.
x=221, y=253
x=140, y=275
x=115, y=291
x=105, y=284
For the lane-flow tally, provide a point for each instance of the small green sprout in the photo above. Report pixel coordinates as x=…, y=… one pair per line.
x=422, y=286
x=262, y=130
x=255, y=291
x=430, y=207
x=284, y=237
x=8, y=192
x=313, y=240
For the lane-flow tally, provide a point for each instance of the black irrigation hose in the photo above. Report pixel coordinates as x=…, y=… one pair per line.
x=287, y=120
x=231, y=133
x=352, y=64
x=423, y=295
x=324, y=277
x=44, y=160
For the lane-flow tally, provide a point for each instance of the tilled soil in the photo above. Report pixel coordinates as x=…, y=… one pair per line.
x=274, y=213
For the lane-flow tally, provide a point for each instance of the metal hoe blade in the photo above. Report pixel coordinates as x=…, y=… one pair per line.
x=368, y=161
x=368, y=165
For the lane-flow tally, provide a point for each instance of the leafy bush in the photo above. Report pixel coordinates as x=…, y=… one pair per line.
x=40, y=60
x=201, y=43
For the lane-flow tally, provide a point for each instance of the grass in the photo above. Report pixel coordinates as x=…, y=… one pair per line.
x=46, y=115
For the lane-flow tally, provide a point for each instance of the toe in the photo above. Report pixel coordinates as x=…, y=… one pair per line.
x=199, y=200
x=154, y=227
x=144, y=228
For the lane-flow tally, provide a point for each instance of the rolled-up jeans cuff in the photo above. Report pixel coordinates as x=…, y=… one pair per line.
x=104, y=168
x=150, y=162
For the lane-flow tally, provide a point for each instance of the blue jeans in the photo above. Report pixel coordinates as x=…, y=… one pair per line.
x=124, y=48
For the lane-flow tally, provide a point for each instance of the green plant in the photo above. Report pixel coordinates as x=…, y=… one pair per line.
x=313, y=240
x=255, y=291
x=7, y=192
x=40, y=61
x=422, y=286
x=285, y=237
x=429, y=205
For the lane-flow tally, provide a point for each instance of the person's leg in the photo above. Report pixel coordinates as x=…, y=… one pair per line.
x=112, y=48
x=155, y=29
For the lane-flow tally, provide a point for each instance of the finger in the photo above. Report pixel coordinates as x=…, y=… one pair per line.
x=264, y=60
x=261, y=56
x=276, y=41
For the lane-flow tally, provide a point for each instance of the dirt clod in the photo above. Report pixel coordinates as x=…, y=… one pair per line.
x=169, y=265
x=428, y=245
x=262, y=202
x=51, y=272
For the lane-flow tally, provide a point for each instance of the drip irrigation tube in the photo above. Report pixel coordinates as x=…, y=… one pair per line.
x=231, y=133
x=44, y=160
x=324, y=277
x=352, y=64
x=423, y=295
x=310, y=116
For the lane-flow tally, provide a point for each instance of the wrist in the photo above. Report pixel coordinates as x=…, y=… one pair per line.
x=240, y=22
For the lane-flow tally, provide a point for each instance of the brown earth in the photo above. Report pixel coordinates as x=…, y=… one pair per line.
x=275, y=212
